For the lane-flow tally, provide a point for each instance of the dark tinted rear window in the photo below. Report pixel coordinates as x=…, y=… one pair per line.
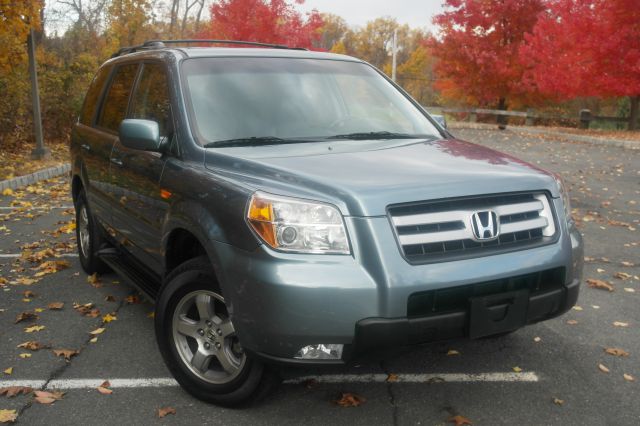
x=115, y=104
x=93, y=94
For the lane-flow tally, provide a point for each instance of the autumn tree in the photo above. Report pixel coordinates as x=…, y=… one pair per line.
x=268, y=21
x=128, y=22
x=478, y=51
x=333, y=30
x=583, y=48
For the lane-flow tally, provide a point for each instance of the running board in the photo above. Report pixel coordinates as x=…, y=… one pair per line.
x=133, y=274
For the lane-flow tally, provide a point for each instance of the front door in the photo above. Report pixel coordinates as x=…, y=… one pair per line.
x=135, y=174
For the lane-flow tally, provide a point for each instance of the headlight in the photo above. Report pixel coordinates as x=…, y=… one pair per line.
x=565, y=197
x=289, y=224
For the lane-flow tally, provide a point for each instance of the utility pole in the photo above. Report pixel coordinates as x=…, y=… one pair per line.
x=40, y=152
x=394, y=54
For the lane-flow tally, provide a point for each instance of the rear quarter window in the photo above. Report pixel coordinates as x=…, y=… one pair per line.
x=92, y=97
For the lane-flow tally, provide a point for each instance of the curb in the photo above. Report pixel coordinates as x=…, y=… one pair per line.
x=627, y=144
x=32, y=178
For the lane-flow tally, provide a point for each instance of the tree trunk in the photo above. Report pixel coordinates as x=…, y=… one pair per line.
x=502, y=119
x=634, y=113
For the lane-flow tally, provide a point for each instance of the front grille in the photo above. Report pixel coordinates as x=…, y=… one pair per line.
x=442, y=230
x=435, y=302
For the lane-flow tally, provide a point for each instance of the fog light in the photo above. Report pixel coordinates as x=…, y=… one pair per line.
x=320, y=351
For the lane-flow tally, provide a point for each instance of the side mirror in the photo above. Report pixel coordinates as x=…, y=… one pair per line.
x=440, y=119
x=140, y=134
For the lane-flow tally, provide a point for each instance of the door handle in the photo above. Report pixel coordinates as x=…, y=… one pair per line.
x=116, y=161
x=86, y=147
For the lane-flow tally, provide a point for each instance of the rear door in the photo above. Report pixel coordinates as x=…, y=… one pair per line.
x=104, y=135
x=135, y=174
x=94, y=150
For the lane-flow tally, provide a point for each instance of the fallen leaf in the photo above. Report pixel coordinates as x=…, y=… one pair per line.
x=66, y=353
x=558, y=401
x=392, y=378
x=87, y=310
x=104, y=388
x=572, y=322
x=55, y=306
x=34, y=328
x=109, y=298
x=620, y=324
x=25, y=316
x=32, y=346
x=94, y=280
x=43, y=397
x=625, y=263
x=97, y=331
x=8, y=371
x=537, y=339
x=600, y=270
x=629, y=377
x=108, y=318
x=603, y=368
x=7, y=192
x=577, y=308
x=28, y=294
x=517, y=369
x=618, y=275
x=616, y=352
x=151, y=315
x=8, y=416
x=600, y=284
x=459, y=420
x=38, y=310
x=25, y=355
x=12, y=391
x=132, y=299
x=453, y=352
x=349, y=400
x=93, y=340
x=164, y=411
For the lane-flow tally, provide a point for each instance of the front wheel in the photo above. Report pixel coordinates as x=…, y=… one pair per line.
x=199, y=343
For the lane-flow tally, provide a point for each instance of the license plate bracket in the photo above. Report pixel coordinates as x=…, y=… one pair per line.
x=498, y=313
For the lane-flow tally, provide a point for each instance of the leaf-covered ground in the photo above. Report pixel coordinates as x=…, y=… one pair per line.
x=16, y=160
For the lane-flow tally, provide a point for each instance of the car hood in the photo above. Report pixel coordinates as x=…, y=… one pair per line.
x=363, y=177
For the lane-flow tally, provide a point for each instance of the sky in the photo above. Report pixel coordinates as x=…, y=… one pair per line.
x=416, y=13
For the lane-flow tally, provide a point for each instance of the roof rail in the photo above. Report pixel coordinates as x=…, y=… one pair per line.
x=159, y=44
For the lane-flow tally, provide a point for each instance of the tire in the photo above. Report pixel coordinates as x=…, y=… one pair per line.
x=88, y=237
x=198, y=342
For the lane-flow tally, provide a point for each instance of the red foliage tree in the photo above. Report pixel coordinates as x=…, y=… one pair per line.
x=478, y=51
x=267, y=21
x=587, y=48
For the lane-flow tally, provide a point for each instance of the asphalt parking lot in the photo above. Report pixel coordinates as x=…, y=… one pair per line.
x=556, y=372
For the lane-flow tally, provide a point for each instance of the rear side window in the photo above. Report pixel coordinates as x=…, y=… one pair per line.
x=93, y=94
x=151, y=98
x=114, y=108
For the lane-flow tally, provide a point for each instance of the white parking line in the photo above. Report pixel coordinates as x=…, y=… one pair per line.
x=15, y=255
x=36, y=207
x=329, y=378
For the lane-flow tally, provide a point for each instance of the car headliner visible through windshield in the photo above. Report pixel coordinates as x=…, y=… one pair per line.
x=245, y=98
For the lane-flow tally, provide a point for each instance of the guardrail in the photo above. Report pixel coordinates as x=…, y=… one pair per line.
x=583, y=120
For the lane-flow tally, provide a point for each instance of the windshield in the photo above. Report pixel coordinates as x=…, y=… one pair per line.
x=271, y=99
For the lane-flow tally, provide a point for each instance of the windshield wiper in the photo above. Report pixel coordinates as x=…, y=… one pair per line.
x=376, y=135
x=251, y=141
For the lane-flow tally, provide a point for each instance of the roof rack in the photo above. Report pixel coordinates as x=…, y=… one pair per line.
x=160, y=44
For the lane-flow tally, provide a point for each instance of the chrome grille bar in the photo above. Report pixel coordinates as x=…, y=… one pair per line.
x=444, y=227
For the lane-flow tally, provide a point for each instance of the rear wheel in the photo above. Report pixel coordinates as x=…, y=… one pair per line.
x=88, y=237
x=199, y=343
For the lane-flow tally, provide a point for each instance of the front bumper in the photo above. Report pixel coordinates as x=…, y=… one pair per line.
x=282, y=302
